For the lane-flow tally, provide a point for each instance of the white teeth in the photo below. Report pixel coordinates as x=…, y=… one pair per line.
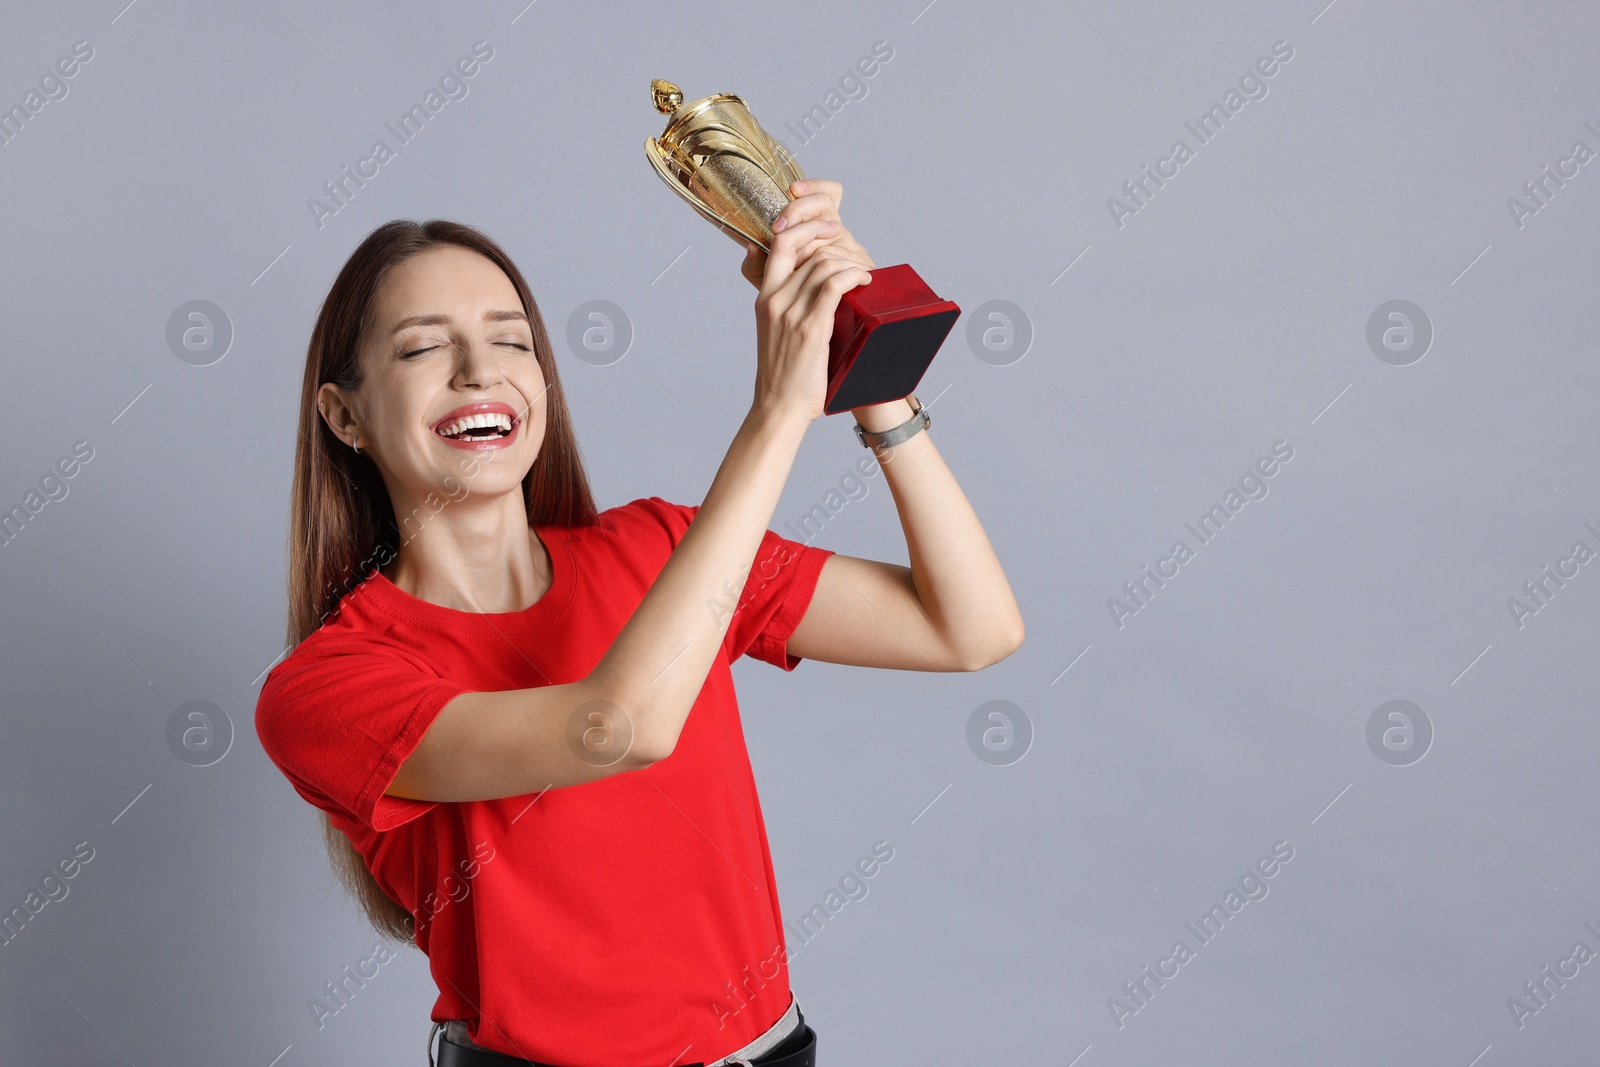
x=462, y=425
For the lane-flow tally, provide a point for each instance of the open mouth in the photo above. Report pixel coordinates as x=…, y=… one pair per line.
x=489, y=426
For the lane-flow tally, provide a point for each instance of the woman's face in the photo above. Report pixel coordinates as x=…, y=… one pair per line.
x=447, y=333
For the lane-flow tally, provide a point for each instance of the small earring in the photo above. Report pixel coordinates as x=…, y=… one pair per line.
x=356, y=444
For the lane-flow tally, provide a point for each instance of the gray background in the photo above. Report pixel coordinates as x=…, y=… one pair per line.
x=1167, y=755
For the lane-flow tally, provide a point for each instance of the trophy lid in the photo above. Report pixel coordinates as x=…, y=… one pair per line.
x=667, y=98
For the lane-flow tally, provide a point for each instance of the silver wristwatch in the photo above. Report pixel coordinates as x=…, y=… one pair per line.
x=919, y=421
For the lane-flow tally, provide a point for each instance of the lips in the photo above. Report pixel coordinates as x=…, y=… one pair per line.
x=485, y=424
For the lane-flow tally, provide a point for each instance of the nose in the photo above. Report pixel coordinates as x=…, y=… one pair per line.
x=477, y=365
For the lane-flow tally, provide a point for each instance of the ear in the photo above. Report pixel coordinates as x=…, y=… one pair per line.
x=334, y=407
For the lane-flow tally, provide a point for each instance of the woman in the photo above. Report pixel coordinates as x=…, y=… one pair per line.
x=517, y=714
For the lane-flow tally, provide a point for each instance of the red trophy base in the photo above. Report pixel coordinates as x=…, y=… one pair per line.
x=884, y=336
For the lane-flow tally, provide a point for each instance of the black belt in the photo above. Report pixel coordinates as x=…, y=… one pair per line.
x=799, y=1049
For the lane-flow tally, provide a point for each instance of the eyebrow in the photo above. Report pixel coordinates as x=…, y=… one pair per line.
x=437, y=319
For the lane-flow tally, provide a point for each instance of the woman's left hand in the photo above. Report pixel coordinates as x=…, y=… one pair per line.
x=814, y=198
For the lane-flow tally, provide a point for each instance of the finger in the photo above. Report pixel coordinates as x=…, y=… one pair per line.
x=816, y=205
x=828, y=281
x=810, y=230
x=834, y=250
x=841, y=237
x=755, y=263
x=839, y=247
x=781, y=281
x=793, y=291
x=806, y=237
x=810, y=206
x=828, y=290
x=824, y=268
x=843, y=243
x=833, y=190
x=787, y=248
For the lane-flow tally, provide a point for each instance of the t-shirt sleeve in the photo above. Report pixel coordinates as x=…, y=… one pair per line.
x=340, y=715
x=783, y=576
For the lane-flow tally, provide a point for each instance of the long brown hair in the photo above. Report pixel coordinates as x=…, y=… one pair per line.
x=341, y=521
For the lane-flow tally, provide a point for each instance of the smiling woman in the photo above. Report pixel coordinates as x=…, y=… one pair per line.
x=521, y=672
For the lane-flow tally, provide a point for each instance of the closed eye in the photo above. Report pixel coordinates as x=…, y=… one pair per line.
x=429, y=348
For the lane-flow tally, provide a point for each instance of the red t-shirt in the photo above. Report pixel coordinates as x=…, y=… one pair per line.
x=628, y=921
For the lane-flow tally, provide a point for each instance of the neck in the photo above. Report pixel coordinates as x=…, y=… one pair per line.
x=478, y=555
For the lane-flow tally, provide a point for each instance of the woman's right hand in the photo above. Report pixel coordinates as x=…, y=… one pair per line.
x=794, y=318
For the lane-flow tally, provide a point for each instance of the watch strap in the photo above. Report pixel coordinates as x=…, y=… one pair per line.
x=920, y=420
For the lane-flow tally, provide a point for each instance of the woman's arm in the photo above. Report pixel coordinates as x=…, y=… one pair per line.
x=952, y=609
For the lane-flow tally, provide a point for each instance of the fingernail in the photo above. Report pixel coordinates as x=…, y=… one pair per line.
x=780, y=224
x=799, y=187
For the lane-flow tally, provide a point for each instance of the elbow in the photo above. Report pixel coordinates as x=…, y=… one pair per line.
x=648, y=750
x=617, y=727
x=998, y=649
x=647, y=743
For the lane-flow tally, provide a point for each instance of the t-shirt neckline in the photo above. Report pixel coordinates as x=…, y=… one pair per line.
x=390, y=600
